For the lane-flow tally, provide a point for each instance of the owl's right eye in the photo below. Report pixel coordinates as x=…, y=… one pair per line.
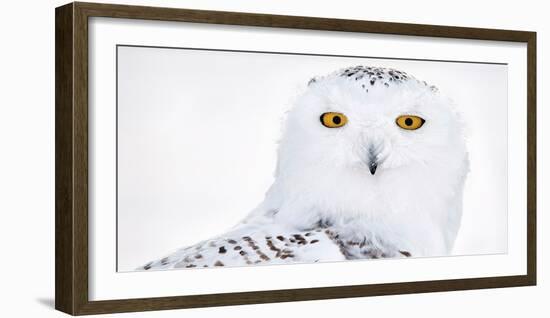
x=333, y=120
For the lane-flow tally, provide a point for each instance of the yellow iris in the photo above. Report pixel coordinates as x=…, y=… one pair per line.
x=333, y=120
x=409, y=122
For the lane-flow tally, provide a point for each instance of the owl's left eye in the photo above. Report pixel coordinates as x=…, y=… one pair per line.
x=410, y=122
x=333, y=120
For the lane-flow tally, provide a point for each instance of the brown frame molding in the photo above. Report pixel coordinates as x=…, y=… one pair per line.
x=71, y=157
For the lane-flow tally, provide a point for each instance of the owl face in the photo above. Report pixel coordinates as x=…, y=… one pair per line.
x=354, y=123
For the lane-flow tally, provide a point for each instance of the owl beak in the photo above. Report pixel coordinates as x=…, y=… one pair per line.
x=373, y=160
x=372, y=166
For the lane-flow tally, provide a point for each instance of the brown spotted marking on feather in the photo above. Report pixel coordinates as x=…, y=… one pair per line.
x=252, y=244
x=284, y=256
x=341, y=246
x=405, y=253
x=285, y=253
x=245, y=257
x=274, y=248
x=358, y=249
x=262, y=255
x=301, y=240
x=218, y=263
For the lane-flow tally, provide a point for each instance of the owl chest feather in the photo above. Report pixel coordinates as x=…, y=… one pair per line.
x=411, y=214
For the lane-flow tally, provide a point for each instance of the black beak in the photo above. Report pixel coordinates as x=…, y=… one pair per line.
x=372, y=166
x=373, y=160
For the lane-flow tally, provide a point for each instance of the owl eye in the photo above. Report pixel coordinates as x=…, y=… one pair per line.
x=333, y=120
x=410, y=122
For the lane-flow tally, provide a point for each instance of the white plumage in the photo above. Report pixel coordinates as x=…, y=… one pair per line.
x=384, y=179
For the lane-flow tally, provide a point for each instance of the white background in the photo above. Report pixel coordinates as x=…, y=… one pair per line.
x=27, y=160
x=198, y=135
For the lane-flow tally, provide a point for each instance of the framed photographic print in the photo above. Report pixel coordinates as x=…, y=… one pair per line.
x=219, y=158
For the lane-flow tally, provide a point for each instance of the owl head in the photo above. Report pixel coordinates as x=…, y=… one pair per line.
x=369, y=118
x=365, y=142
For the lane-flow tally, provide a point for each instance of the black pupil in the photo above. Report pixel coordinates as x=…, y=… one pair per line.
x=408, y=122
x=336, y=120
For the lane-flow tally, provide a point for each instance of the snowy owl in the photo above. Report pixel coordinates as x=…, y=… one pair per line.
x=371, y=164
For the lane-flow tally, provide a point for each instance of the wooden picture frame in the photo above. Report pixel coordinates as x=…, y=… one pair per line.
x=71, y=157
